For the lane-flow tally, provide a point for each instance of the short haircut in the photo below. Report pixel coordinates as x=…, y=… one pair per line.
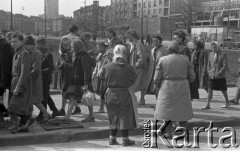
x=181, y=34
x=133, y=33
x=73, y=28
x=29, y=40
x=17, y=35
x=158, y=37
x=85, y=35
x=112, y=32
x=41, y=40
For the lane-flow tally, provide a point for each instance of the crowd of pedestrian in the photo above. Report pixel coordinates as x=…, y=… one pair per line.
x=115, y=70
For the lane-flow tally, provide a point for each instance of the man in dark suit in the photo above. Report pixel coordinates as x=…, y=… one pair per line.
x=6, y=55
x=47, y=66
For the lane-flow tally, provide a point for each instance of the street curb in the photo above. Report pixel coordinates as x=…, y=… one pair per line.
x=63, y=136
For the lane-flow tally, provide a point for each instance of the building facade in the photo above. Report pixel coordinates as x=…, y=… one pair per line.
x=125, y=12
x=61, y=25
x=90, y=18
x=52, y=9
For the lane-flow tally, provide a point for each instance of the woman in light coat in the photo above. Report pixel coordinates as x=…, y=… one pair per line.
x=138, y=60
x=172, y=77
x=20, y=104
x=157, y=52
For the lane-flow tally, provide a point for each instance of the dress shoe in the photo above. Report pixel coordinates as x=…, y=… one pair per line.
x=13, y=127
x=128, y=142
x=20, y=129
x=113, y=142
x=30, y=123
x=77, y=110
x=88, y=120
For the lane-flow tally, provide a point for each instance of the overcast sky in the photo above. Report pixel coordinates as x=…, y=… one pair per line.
x=36, y=7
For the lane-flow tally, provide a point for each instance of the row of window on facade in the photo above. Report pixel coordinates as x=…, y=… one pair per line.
x=154, y=12
x=160, y=2
x=166, y=3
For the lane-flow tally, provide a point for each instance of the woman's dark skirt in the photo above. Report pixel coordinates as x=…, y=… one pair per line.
x=218, y=84
x=120, y=109
x=75, y=91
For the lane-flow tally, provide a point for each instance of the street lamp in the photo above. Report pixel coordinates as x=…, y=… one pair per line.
x=11, y=26
x=45, y=13
x=142, y=23
x=228, y=3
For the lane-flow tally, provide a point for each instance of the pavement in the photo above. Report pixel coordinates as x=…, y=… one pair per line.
x=100, y=128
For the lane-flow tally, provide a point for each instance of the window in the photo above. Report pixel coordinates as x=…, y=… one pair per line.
x=160, y=11
x=144, y=4
x=165, y=11
x=154, y=11
x=139, y=4
x=160, y=2
x=154, y=3
x=166, y=3
x=149, y=12
x=149, y=4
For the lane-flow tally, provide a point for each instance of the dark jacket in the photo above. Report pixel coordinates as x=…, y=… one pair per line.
x=47, y=67
x=184, y=50
x=81, y=69
x=65, y=65
x=6, y=57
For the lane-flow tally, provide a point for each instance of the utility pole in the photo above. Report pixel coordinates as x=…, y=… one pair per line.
x=147, y=20
x=85, y=16
x=45, y=12
x=22, y=20
x=11, y=24
x=228, y=23
x=141, y=22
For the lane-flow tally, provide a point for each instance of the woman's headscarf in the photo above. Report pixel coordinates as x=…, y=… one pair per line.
x=77, y=46
x=173, y=47
x=119, y=51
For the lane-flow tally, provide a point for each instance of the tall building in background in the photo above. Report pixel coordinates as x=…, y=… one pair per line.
x=52, y=9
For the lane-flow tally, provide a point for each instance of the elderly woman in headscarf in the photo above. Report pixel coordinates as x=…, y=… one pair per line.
x=121, y=101
x=199, y=60
x=217, y=68
x=172, y=77
x=81, y=79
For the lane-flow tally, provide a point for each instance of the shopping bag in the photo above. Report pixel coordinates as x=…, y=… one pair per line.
x=88, y=98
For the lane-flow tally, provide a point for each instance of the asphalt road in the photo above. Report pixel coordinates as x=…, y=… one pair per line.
x=102, y=144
